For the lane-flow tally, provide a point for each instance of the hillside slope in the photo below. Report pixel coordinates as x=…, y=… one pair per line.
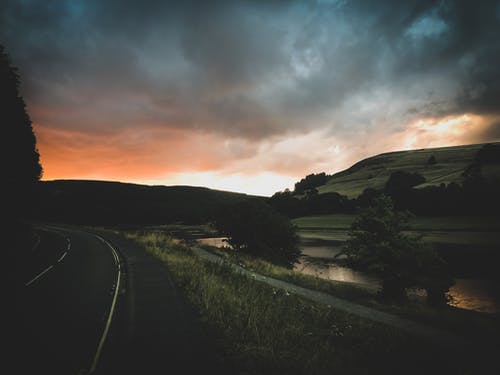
x=373, y=172
x=103, y=202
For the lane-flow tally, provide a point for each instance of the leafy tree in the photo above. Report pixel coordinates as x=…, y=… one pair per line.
x=377, y=244
x=401, y=181
x=21, y=167
x=488, y=154
x=367, y=197
x=310, y=182
x=252, y=226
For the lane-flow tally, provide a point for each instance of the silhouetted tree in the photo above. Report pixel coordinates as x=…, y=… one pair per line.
x=310, y=182
x=287, y=204
x=377, y=244
x=401, y=181
x=252, y=226
x=488, y=154
x=21, y=166
x=367, y=197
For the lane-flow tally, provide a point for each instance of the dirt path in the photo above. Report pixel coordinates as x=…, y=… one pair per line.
x=436, y=335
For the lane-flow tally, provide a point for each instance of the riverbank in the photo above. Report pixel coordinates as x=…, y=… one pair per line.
x=470, y=324
x=267, y=331
x=468, y=244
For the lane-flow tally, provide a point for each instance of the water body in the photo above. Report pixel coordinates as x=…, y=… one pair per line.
x=318, y=260
x=213, y=241
x=472, y=294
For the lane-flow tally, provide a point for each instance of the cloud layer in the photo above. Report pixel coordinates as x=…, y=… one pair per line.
x=150, y=90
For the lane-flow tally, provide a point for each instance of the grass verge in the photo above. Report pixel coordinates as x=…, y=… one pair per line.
x=267, y=331
x=471, y=324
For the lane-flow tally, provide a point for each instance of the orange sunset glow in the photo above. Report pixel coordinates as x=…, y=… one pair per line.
x=178, y=157
x=251, y=187
x=251, y=99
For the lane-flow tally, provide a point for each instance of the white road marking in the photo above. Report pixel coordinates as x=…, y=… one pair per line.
x=111, y=310
x=62, y=257
x=39, y=275
x=51, y=266
x=37, y=242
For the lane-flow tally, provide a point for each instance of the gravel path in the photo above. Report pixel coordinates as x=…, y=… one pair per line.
x=434, y=334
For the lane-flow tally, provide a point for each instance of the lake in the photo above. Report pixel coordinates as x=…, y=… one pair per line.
x=318, y=260
x=472, y=294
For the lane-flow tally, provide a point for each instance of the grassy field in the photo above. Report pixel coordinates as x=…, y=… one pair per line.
x=473, y=231
x=261, y=330
x=374, y=172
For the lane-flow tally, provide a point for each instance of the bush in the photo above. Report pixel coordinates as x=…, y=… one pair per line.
x=254, y=227
x=401, y=181
x=378, y=244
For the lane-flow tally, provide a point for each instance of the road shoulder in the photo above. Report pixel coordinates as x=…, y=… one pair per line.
x=156, y=329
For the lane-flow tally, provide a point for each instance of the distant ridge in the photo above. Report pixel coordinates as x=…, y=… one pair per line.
x=373, y=172
x=118, y=203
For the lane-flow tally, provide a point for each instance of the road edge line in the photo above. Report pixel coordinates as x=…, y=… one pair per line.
x=97, y=356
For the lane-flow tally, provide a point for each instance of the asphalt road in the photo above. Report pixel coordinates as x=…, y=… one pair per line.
x=70, y=317
x=64, y=302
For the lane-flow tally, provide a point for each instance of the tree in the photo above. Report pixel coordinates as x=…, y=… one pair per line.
x=253, y=227
x=21, y=167
x=488, y=154
x=311, y=181
x=377, y=244
x=401, y=181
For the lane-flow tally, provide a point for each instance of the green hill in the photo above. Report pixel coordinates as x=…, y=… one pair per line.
x=104, y=202
x=373, y=172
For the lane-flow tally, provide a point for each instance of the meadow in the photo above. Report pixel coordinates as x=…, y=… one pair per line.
x=458, y=230
x=374, y=172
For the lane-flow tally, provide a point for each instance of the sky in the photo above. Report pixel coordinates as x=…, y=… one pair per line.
x=249, y=96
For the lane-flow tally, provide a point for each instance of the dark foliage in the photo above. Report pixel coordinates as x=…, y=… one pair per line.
x=312, y=203
x=311, y=181
x=377, y=244
x=367, y=197
x=20, y=158
x=477, y=195
x=253, y=227
x=114, y=203
x=287, y=204
x=401, y=181
x=488, y=154
x=432, y=160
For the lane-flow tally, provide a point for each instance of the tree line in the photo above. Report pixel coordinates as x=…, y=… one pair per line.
x=20, y=159
x=477, y=194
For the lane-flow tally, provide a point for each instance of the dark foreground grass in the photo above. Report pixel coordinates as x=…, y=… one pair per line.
x=261, y=330
x=470, y=324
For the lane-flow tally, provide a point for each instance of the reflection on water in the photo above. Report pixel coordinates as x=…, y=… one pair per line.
x=325, y=252
x=471, y=294
x=479, y=295
x=214, y=241
x=330, y=271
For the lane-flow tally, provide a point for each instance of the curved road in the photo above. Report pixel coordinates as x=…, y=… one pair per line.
x=96, y=303
x=67, y=302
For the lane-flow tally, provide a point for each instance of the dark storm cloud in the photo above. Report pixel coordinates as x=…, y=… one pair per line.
x=254, y=69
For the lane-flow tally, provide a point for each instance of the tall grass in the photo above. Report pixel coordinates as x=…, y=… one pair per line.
x=268, y=331
x=340, y=289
